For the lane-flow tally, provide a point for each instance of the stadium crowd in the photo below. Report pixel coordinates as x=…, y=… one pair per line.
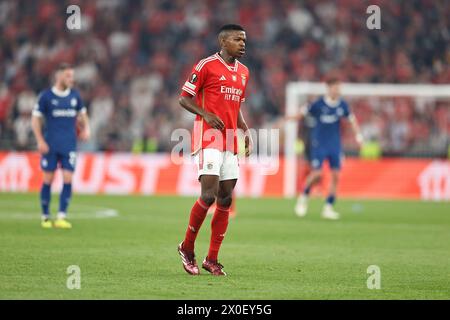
x=132, y=57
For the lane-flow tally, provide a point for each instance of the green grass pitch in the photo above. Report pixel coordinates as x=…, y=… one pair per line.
x=268, y=252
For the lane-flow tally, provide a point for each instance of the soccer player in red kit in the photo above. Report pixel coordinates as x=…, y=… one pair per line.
x=214, y=92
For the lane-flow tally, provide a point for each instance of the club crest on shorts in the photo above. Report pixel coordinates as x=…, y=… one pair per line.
x=209, y=166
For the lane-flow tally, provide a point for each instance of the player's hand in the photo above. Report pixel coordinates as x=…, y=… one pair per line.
x=214, y=121
x=85, y=134
x=360, y=139
x=248, y=145
x=43, y=147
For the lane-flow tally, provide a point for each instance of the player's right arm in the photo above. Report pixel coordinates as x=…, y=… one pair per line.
x=211, y=119
x=36, y=125
x=191, y=88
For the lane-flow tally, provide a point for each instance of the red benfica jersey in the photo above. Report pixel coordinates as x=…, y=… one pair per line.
x=219, y=88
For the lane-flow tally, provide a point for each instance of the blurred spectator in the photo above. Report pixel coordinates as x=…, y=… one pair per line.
x=6, y=101
x=101, y=110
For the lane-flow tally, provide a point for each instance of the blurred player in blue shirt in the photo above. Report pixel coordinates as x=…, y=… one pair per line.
x=325, y=116
x=57, y=117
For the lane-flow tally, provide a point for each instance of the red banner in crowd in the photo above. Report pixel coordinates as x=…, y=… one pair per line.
x=123, y=173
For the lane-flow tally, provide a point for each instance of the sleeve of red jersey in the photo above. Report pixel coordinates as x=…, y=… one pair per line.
x=195, y=81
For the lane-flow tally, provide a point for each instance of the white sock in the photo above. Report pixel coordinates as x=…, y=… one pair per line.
x=61, y=215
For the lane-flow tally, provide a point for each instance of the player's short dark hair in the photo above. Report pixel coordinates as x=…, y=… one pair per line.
x=332, y=80
x=63, y=66
x=231, y=27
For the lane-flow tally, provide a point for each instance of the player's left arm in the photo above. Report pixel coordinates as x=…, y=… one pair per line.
x=356, y=129
x=241, y=124
x=83, y=120
x=348, y=113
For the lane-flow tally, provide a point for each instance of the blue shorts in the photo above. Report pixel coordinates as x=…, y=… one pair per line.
x=318, y=155
x=50, y=160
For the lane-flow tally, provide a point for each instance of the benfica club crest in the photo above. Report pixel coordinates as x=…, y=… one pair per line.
x=243, y=79
x=234, y=77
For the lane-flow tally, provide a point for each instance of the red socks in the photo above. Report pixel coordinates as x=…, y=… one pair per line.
x=198, y=214
x=219, y=224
